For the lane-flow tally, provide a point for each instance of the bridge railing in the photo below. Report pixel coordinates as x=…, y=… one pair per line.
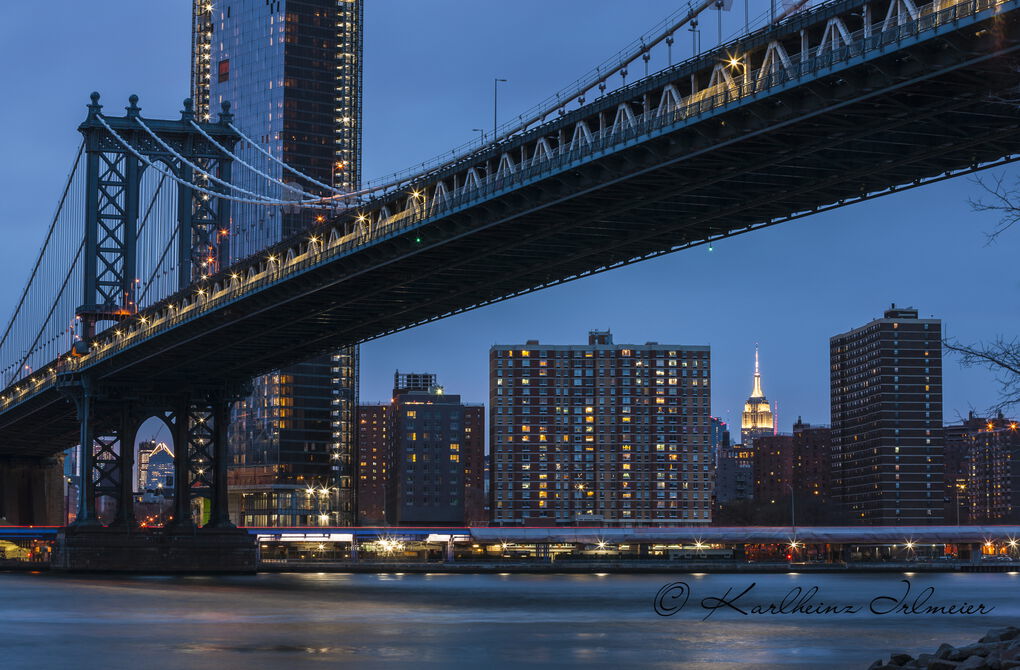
x=324, y=244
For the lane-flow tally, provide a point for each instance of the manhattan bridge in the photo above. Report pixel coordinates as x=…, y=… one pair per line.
x=137, y=306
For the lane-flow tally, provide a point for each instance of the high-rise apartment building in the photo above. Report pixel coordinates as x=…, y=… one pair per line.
x=796, y=464
x=992, y=468
x=756, y=420
x=602, y=433
x=886, y=407
x=958, y=438
x=436, y=459
x=421, y=457
x=291, y=70
x=373, y=458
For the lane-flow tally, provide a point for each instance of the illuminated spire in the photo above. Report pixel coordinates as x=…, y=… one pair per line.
x=756, y=392
x=757, y=419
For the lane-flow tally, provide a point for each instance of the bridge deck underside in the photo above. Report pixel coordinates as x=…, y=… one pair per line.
x=910, y=116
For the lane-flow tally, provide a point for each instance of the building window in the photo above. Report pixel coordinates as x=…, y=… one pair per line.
x=224, y=70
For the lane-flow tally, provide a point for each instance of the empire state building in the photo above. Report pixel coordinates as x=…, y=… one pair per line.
x=756, y=420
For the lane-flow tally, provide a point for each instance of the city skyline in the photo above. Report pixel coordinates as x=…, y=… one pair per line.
x=249, y=395
x=934, y=225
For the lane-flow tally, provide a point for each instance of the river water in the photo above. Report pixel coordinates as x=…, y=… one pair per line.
x=477, y=621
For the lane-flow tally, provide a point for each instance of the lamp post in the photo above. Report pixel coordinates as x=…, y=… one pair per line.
x=481, y=134
x=793, y=516
x=495, y=104
x=959, y=488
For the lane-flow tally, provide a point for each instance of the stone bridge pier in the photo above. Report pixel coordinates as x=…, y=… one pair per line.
x=32, y=491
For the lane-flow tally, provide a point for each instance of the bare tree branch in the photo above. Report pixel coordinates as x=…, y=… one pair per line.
x=1002, y=357
x=999, y=198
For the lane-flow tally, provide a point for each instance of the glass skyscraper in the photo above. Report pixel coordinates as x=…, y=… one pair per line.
x=291, y=70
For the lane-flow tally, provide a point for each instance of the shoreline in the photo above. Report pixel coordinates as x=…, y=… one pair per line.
x=579, y=568
x=642, y=567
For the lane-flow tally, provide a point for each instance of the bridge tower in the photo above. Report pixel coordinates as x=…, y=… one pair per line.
x=118, y=150
x=196, y=156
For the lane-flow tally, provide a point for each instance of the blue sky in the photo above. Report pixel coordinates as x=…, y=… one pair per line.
x=429, y=68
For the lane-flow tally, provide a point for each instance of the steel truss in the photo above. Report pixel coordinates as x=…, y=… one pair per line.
x=660, y=166
x=109, y=417
x=114, y=173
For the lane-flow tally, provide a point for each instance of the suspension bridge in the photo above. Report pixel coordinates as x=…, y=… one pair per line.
x=161, y=293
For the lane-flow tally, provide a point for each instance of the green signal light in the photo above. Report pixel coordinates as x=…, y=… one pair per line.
x=418, y=240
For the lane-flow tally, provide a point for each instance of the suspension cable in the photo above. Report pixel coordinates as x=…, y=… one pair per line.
x=237, y=159
x=137, y=154
x=49, y=236
x=49, y=315
x=195, y=167
x=273, y=158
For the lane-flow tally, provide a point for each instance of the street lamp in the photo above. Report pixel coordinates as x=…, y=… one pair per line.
x=481, y=134
x=793, y=517
x=495, y=107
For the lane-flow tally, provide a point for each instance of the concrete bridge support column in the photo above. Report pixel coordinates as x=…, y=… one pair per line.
x=32, y=491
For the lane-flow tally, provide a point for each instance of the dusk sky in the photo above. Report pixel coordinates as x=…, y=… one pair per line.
x=429, y=69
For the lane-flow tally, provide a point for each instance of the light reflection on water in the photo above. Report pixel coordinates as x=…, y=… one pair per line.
x=283, y=621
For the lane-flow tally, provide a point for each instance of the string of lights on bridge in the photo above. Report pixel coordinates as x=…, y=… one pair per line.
x=35, y=353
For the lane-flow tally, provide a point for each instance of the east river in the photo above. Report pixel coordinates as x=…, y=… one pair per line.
x=486, y=621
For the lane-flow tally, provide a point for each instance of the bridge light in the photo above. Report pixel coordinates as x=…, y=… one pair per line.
x=362, y=218
x=320, y=218
x=1012, y=544
x=234, y=275
x=909, y=545
x=272, y=259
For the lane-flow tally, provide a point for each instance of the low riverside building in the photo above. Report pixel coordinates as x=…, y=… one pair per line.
x=600, y=433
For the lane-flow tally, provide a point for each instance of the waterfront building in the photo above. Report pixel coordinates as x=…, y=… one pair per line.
x=886, y=407
x=602, y=433
x=756, y=420
x=734, y=474
x=421, y=457
x=291, y=70
x=958, y=438
x=797, y=464
x=992, y=484
x=373, y=456
x=436, y=458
